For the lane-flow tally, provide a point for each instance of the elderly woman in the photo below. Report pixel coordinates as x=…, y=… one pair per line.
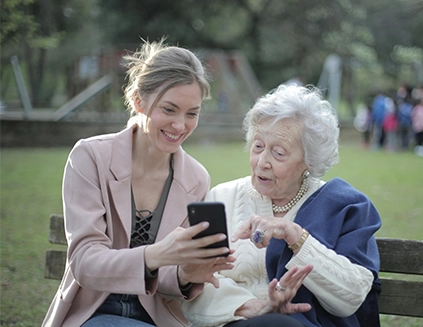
x=305, y=248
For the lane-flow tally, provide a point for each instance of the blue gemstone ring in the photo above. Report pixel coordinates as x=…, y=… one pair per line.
x=257, y=236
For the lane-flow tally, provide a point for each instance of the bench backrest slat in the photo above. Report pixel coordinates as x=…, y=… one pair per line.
x=57, y=230
x=55, y=264
x=401, y=256
x=401, y=297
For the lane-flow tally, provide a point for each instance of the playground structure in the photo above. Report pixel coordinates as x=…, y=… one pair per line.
x=234, y=88
x=330, y=79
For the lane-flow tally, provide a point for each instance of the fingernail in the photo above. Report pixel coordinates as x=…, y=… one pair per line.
x=206, y=224
x=223, y=237
x=226, y=250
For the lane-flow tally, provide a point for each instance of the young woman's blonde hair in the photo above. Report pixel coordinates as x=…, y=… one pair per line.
x=159, y=67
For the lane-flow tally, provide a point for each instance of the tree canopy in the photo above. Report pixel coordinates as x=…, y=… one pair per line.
x=281, y=39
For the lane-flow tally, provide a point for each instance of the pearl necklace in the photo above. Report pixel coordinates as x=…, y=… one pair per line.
x=303, y=189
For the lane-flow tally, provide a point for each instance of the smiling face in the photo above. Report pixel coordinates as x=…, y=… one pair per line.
x=173, y=118
x=277, y=160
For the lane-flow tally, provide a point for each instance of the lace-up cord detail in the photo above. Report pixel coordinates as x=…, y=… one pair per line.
x=140, y=233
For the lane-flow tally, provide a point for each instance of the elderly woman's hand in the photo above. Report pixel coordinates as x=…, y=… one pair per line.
x=281, y=293
x=279, y=297
x=279, y=228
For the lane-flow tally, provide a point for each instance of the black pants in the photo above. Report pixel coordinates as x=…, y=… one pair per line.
x=419, y=138
x=267, y=320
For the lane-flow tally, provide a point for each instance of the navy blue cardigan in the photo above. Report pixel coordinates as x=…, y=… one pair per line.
x=344, y=220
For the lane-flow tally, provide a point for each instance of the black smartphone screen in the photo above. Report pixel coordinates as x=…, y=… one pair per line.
x=214, y=213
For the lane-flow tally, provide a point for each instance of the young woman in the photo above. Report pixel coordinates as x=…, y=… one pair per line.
x=131, y=258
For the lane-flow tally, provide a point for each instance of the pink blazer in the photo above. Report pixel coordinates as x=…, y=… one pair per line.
x=97, y=211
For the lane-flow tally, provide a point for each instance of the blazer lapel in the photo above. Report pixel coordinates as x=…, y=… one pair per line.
x=175, y=211
x=120, y=188
x=121, y=200
x=180, y=194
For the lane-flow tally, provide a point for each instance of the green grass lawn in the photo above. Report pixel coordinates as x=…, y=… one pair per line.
x=31, y=191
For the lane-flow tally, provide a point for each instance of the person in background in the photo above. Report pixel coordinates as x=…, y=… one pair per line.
x=405, y=108
x=305, y=248
x=378, y=116
x=417, y=123
x=131, y=257
x=363, y=122
x=390, y=125
x=403, y=92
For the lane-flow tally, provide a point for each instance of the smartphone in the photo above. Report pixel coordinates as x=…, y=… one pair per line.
x=214, y=213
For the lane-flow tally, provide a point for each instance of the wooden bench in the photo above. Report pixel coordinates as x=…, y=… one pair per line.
x=400, y=295
x=56, y=259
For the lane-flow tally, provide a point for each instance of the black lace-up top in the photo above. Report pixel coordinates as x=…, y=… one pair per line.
x=145, y=224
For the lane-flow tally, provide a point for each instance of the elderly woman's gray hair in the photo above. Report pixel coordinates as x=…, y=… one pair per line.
x=305, y=105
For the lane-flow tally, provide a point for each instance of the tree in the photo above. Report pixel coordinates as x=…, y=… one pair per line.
x=281, y=39
x=32, y=29
x=395, y=23
x=15, y=23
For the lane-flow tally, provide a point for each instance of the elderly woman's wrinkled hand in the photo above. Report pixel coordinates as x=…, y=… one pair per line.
x=261, y=229
x=280, y=296
x=283, y=291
